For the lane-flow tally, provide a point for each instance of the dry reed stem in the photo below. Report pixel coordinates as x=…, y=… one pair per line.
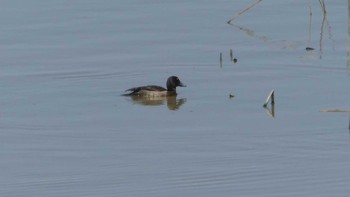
x=334, y=110
x=242, y=11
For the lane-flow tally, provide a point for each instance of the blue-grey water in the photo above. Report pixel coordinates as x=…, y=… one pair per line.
x=66, y=131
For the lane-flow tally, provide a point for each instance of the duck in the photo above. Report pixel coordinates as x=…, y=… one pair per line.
x=157, y=91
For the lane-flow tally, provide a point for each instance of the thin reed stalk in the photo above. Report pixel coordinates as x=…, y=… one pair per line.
x=242, y=11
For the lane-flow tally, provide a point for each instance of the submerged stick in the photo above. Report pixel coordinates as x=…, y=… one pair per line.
x=242, y=11
x=334, y=110
x=271, y=97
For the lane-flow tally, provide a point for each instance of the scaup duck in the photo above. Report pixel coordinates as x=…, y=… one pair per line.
x=155, y=91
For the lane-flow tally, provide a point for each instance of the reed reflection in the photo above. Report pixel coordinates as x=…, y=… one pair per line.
x=171, y=101
x=270, y=112
x=250, y=32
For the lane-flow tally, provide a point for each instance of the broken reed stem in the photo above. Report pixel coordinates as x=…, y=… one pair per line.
x=271, y=97
x=323, y=6
x=242, y=11
x=334, y=110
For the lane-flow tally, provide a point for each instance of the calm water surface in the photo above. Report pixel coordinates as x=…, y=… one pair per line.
x=66, y=131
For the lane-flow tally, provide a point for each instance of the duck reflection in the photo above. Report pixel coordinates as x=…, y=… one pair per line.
x=172, y=102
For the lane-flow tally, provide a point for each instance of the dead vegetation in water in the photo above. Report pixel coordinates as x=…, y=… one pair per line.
x=325, y=27
x=334, y=110
x=233, y=59
x=242, y=11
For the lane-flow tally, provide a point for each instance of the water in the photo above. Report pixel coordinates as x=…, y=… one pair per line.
x=66, y=131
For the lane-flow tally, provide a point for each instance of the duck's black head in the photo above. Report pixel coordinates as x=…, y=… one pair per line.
x=174, y=82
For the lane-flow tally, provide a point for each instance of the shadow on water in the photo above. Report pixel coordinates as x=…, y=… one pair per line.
x=171, y=101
